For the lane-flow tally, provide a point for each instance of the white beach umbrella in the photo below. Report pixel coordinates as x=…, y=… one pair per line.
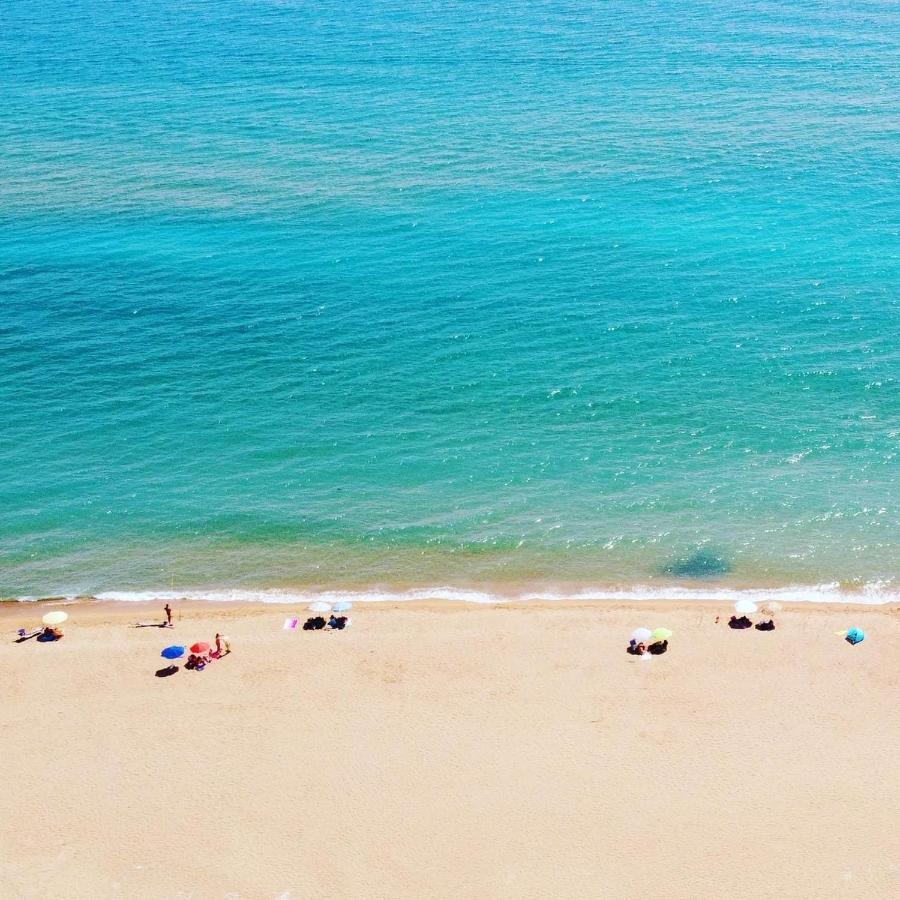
x=745, y=606
x=343, y=606
x=641, y=634
x=320, y=606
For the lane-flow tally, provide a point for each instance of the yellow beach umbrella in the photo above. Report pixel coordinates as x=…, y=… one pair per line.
x=57, y=617
x=661, y=634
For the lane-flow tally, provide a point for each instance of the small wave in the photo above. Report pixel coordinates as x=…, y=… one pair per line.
x=872, y=594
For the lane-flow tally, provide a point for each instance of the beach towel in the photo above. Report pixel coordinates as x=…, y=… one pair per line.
x=290, y=624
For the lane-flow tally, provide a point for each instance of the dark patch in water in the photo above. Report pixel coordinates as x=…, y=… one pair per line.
x=700, y=564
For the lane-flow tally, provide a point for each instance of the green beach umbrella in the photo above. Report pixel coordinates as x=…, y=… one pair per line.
x=661, y=634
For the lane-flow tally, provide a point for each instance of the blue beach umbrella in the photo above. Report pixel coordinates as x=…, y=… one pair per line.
x=342, y=606
x=855, y=635
x=173, y=652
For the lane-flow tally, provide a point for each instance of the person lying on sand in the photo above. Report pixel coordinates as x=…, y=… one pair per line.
x=658, y=647
x=765, y=626
x=337, y=623
x=742, y=622
x=51, y=634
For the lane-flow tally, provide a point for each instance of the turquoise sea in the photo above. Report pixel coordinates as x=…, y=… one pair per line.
x=593, y=297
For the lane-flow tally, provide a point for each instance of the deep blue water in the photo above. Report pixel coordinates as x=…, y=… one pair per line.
x=304, y=294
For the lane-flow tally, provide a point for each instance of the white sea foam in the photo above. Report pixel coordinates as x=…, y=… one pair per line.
x=872, y=594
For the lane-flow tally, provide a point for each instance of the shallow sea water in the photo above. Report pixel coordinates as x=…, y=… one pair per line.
x=302, y=296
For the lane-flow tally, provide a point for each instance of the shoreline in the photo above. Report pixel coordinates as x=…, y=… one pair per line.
x=875, y=593
x=131, y=613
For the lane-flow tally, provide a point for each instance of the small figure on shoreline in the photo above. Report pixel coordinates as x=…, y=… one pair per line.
x=168, y=612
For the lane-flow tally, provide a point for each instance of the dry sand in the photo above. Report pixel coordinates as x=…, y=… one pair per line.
x=452, y=752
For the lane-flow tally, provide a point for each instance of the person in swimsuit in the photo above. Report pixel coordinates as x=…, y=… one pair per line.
x=168, y=611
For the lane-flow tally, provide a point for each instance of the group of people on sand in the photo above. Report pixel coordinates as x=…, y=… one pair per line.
x=639, y=648
x=318, y=623
x=739, y=622
x=45, y=634
x=199, y=661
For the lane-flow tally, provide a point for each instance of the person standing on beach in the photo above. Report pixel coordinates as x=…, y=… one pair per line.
x=168, y=610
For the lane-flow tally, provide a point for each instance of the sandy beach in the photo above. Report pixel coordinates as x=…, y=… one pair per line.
x=449, y=751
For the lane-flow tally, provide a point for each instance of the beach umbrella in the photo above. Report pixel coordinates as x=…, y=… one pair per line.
x=319, y=606
x=55, y=618
x=855, y=635
x=745, y=606
x=199, y=647
x=639, y=635
x=173, y=652
x=661, y=634
x=342, y=606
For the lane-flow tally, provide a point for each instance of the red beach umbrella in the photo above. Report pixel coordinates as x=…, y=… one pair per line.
x=199, y=648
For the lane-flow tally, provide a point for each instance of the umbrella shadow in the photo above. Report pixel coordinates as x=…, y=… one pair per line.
x=150, y=625
x=166, y=671
x=26, y=637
